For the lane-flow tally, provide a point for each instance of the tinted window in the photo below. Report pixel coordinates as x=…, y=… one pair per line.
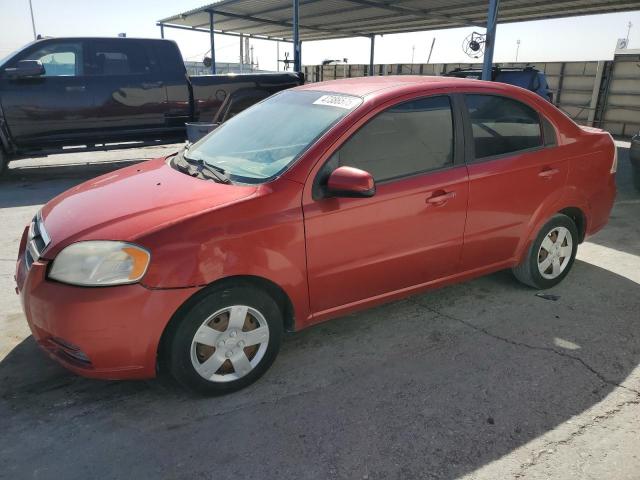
x=409, y=138
x=501, y=125
x=549, y=133
x=59, y=59
x=168, y=57
x=119, y=58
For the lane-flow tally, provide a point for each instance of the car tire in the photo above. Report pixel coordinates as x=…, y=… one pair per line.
x=551, y=254
x=212, y=350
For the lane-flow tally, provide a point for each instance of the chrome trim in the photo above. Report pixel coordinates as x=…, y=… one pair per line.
x=37, y=235
x=43, y=232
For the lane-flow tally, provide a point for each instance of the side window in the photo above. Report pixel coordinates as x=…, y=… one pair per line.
x=550, y=139
x=501, y=125
x=118, y=57
x=406, y=139
x=59, y=59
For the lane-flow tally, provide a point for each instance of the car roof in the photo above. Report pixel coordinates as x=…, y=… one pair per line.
x=380, y=85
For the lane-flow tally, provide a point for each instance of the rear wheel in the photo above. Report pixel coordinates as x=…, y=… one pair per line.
x=226, y=341
x=551, y=254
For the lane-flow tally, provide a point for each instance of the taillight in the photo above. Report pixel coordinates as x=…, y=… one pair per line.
x=614, y=164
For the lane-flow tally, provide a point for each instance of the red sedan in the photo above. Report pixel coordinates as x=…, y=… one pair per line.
x=319, y=201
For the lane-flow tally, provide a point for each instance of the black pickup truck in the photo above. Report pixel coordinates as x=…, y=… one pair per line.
x=95, y=93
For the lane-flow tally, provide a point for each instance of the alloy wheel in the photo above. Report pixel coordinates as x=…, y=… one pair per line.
x=555, y=252
x=230, y=343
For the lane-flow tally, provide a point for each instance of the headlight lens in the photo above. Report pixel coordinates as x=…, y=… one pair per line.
x=100, y=263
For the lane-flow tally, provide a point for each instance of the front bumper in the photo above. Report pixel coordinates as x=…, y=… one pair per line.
x=104, y=332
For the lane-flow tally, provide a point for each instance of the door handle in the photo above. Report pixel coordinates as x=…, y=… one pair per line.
x=147, y=85
x=75, y=88
x=548, y=172
x=440, y=198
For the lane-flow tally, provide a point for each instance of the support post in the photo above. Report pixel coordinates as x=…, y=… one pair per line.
x=213, y=45
x=33, y=22
x=297, y=64
x=241, y=53
x=161, y=30
x=490, y=40
x=371, y=55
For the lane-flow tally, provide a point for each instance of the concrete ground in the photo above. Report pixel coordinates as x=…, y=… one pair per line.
x=482, y=380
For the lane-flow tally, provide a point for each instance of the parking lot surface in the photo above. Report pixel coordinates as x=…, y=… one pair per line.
x=482, y=380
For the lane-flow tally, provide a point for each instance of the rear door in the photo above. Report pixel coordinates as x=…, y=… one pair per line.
x=512, y=172
x=54, y=108
x=127, y=87
x=410, y=232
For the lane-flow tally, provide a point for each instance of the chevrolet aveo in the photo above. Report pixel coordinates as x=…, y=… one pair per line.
x=319, y=201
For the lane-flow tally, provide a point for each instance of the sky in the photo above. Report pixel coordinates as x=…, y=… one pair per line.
x=578, y=38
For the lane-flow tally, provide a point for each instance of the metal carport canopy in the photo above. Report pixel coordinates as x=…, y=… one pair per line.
x=327, y=19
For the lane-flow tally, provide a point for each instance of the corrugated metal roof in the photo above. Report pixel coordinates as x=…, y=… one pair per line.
x=324, y=19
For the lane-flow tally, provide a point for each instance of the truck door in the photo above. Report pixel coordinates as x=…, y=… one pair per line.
x=53, y=108
x=127, y=88
x=179, y=107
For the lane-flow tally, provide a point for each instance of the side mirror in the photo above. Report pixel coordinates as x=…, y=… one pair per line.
x=350, y=182
x=26, y=68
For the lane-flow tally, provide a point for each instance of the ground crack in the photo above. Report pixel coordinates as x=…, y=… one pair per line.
x=484, y=331
x=551, y=447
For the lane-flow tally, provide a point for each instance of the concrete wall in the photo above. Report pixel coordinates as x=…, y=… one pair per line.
x=604, y=94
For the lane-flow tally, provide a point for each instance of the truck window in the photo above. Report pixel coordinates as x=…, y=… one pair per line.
x=118, y=58
x=58, y=59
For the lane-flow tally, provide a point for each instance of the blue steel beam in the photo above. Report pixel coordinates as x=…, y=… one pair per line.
x=297, y=61
x=490, y=39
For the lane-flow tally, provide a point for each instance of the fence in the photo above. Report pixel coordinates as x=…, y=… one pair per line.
x=604, y=94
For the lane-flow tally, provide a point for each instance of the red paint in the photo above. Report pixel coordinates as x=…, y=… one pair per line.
x=351, y=180
x=330, y=256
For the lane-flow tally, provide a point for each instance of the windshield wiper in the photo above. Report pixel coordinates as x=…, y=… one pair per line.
x=197, y=168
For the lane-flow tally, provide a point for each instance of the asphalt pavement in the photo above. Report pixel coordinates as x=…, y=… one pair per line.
x=481, y=380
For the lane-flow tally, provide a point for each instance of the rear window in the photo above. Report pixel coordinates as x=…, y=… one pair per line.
x=501, y=125
x=118, y=57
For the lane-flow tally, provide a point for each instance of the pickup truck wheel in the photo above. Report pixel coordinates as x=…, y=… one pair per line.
x=226, y=341
x=551, y=255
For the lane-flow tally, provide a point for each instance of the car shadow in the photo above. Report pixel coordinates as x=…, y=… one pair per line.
x=434, y=386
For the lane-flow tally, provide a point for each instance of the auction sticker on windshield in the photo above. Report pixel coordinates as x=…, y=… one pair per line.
x=342, y=101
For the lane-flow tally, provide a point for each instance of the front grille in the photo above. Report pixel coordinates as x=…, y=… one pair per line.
x=37, y=241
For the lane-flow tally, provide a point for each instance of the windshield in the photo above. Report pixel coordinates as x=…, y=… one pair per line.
x=262, y=141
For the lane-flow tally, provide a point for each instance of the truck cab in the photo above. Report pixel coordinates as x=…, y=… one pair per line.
x=61, y=92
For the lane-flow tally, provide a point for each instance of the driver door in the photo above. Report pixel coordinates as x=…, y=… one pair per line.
x=53, y=108
x=410, y=232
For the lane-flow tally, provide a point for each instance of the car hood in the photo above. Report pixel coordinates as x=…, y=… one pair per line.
x=129, y=203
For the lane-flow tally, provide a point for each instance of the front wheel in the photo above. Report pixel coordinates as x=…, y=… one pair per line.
x=551, y=254
x=226, y=341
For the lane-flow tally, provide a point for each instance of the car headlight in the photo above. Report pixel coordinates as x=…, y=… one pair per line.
x=100, y=263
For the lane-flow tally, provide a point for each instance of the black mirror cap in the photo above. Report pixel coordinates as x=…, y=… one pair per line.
x=26, y=68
